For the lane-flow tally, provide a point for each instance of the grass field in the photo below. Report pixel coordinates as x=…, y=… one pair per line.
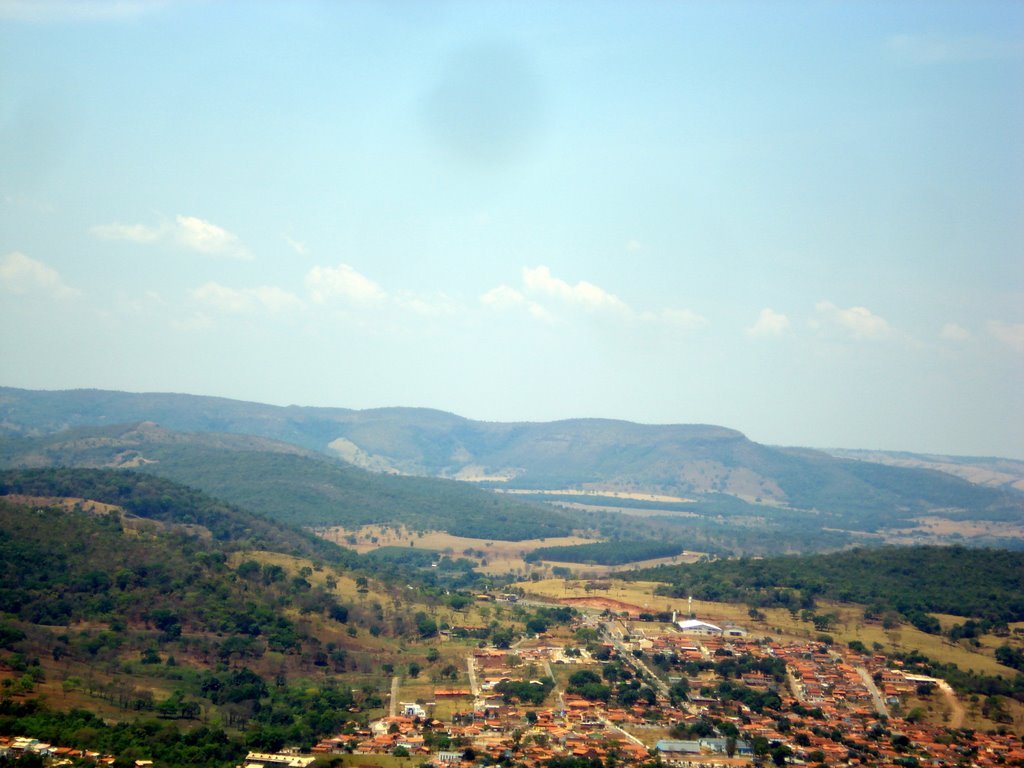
x=373, y=761
x=493, y=556
x=501, y=557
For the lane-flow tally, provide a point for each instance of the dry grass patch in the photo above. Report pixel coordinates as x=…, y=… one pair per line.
x=940, y=529
x=501, y=557
x=345, y=586
x=597, y=493
x=376, y=761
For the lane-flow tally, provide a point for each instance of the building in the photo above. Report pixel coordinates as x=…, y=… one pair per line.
x=698, y=627
x=266, y=760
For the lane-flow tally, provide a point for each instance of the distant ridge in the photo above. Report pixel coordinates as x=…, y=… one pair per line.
x=709, y=471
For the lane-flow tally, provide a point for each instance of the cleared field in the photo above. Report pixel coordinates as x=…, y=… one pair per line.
x=653, y=497
x=634, y=511
x=501, y=556
x=375, y=761
x=492, y=556
x=944, y=528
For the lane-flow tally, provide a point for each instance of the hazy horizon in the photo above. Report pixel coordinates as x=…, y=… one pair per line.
x=800, y=221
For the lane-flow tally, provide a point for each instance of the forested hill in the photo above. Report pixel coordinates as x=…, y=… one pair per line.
x=165, y=501
x=910, y=580
x=290, y=484
x=49, y=578
x=150, y=622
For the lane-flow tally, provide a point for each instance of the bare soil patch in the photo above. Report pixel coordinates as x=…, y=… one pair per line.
x=603, y=603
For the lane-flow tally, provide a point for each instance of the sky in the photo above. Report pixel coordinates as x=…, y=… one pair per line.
x=804, y=221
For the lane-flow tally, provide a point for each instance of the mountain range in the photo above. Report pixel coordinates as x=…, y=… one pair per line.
x=322, y=466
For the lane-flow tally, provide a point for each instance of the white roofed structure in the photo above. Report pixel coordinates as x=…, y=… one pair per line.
x=698, y=627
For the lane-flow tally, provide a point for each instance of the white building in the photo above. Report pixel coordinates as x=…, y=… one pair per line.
x=265, y=760
x=698, y=627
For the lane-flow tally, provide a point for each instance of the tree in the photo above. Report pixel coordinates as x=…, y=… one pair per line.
x=425, y=625
x=780, y=753
x=339, y=613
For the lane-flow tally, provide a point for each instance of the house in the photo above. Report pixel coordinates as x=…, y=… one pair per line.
x=669, y=747
x=413, y=710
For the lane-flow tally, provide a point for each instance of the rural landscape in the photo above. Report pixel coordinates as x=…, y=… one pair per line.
x=192, y=581
x=497, y=384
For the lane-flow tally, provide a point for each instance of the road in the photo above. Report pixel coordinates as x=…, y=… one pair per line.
x=474, y=687
x=393, y=708
x=876, y=697
x=638, y=664
x=956, y=709
x=558, y=688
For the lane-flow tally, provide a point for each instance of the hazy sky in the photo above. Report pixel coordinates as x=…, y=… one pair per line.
x=804, y=221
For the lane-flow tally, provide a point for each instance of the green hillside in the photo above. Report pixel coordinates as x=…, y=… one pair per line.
x=154, y=622
x=162, y=500
x=288, y=484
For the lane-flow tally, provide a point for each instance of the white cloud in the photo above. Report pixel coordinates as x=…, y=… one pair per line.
x=954, y=332
x=342, y=282
x=685, y=319
x=24, y=275
x=189, y=231
x=1010, y=334
x=769, y=323
x=428, y=306
x=299, y=247
x=539, y=280
x=136, y=233
x=860, y=322
x=504, y=298
x=266, y=298
x=202, y=236
x=543, y=294
x=931, y=49
x=632, y=246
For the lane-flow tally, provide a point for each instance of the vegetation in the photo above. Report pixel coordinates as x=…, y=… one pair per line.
x=294, y=487
x=155, y=498
x=811, y=501
x=606, y=553
x=167, y=584
x=912, y=581
x=161, y=740
x=966, y=682
x=532, y=692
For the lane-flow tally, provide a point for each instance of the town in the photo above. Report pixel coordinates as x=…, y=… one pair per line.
x=687, y=693
x=571, y=675
x=624, y=688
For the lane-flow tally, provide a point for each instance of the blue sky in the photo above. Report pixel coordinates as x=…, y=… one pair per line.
x=800, y=220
